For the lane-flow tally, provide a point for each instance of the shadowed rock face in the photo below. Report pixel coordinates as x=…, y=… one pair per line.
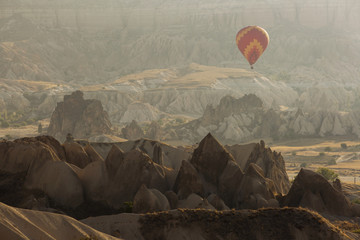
x=210, y=159
x=311, y=190
x=271, y=163
x=135, y=169
x=188, y=181
x=186, y=224
x=43, y=168
x=255, y=191
x=82, y=118
x=150, y=200
x=113, y=160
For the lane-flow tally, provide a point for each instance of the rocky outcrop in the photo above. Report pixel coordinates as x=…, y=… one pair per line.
x=82, y=118
x=113, y=160
x=255, y=191
x=272, y=165
x=43, y=168
x=171, y=156
x=149, y=200
x=132, y=131
x=135, y=169
x=243, y=119
x=76, y=154
x=285, y=223
x=213, y=170
x=188, y=181
x=313, y=191
x=210, y=159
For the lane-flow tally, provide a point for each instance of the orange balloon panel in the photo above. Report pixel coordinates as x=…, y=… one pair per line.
x=252, y=42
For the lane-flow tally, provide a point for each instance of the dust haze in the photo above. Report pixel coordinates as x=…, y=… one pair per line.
x=148, y=105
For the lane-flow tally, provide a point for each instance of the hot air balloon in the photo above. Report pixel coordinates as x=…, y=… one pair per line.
x=252, y=42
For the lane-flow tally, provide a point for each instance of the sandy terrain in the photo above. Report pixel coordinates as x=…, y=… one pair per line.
x=317, y=153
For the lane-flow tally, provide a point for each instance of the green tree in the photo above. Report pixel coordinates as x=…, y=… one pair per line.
x=343, y=146
x=328, y=174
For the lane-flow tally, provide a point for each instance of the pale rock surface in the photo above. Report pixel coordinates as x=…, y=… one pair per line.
x=210, y=159
x=142, y=112
x=16, y=223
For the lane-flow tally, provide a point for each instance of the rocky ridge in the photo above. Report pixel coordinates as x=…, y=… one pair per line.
x=238, y=120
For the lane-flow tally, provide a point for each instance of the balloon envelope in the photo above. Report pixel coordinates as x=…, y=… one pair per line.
x=252, y=42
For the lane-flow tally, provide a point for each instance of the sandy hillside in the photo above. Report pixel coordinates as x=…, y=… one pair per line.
x=28, y=224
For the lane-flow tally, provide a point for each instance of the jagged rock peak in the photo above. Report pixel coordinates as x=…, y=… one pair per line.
x=211, y=158
x=272, y=165
x=113, y=160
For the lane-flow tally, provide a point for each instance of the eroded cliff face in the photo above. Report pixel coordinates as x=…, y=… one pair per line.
x=48, y=50
x=79, y=117
x=245, y=118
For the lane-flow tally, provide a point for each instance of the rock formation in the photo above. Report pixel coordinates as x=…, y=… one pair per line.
x=210, y=159
x=132, y=131
x=134, y=170
x=194, y=201
x=255, y=190
x=188, y=181
x=271, y=163
x=150, y=200
x=285, y=223
x=113, y=160
x=243, y=119
x=82, y=118
x=213, y=170
x=313, y=191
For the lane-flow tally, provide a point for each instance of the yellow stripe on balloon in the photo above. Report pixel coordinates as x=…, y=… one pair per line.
x=242, y=33
x=254, y=43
